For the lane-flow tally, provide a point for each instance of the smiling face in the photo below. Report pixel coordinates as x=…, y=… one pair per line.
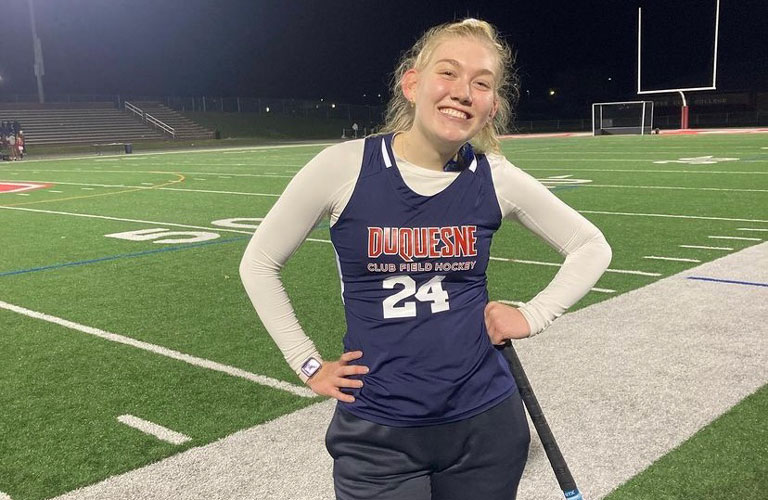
x=454, y=93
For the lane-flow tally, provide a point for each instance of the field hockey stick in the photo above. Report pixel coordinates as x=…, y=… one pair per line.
x=562, y=473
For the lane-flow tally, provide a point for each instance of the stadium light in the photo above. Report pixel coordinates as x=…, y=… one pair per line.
x=267, y=109
x=333, y=106
x=551, y=91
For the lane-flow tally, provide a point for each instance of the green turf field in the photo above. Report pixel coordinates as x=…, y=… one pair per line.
x=147, y=247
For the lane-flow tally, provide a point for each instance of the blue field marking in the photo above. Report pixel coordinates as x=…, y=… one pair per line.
x=733, y=282
x=122, y=256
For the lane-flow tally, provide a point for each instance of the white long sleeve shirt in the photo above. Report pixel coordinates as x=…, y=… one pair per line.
x=325, y=185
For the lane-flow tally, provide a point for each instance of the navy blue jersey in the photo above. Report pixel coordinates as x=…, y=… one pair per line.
x=414, y=289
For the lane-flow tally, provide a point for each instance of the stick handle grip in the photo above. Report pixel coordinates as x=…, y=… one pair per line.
x=559, y=466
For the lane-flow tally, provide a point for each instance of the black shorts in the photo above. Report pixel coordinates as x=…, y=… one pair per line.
x=481, y=457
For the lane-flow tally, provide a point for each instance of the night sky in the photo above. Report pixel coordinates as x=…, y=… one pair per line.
x=344, y=49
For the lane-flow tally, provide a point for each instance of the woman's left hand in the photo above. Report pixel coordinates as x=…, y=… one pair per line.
x=505, y=322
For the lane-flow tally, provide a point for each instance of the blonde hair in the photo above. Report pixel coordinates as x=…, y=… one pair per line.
x=400, y=112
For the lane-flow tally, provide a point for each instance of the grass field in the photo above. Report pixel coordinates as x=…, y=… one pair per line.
x=118, y=266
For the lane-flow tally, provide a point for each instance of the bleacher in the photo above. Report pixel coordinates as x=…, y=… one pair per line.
x=93, y=122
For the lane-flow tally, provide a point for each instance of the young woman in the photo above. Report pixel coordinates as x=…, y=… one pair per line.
x=427, y=407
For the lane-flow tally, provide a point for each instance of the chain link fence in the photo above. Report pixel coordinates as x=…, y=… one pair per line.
x=371, y=116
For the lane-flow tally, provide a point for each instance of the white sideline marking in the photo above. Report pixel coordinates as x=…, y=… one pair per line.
x=153, y=429
x=751, y=229
x=87, y=189
x=512, y=303
x=675, y=259
x=700, y=217
x=705, y=247
x=21, y=194
x=556, y=264
x=52, y=191
x=734, y=238
x=146, y=346
x=603, y=290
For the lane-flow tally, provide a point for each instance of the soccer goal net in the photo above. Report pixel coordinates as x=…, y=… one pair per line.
x=635, y=117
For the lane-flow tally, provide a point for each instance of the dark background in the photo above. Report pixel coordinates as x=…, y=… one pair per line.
x=584, y=50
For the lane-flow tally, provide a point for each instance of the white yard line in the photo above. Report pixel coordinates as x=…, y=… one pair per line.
x=521, y=261
x=80, y=171
x=759, y=229
x=153, y=429
x=740, y=238
x=640, y=171
x=230, y=174
x=705, y=247
x=556, y=264
x=238, y=193
x=674, y=188
x=158, y=189
x=603, y=290
x=671, y=216
x=162, y=351
x=154, y=223
x=135, y=156
x=674, y=259
x=121, y=219
x=639, y=273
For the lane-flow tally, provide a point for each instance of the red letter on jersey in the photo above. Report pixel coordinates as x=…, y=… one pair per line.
x=374, y=242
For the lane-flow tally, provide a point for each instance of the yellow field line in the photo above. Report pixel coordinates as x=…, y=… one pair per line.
x=180, y=178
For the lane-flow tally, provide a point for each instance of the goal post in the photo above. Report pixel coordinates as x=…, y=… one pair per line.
x=628, y=117
x=681, y=91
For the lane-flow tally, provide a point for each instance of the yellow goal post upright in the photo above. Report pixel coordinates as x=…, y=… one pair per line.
x=681, y=91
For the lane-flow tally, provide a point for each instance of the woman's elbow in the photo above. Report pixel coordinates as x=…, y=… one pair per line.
x=606, y=252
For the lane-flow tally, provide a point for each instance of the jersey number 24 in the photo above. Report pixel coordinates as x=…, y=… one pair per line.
x=431, y=291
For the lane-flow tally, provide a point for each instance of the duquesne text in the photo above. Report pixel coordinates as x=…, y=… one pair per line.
x=422, y=242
